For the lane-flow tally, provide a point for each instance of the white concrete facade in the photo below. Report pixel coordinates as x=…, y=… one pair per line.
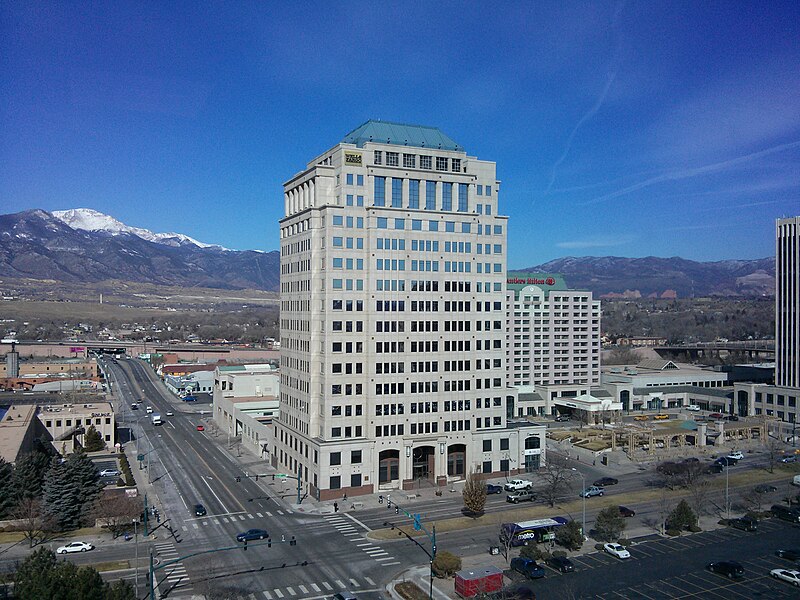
x=392, y=318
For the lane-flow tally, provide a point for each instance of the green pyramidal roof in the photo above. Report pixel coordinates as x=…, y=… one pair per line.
x=400, y=134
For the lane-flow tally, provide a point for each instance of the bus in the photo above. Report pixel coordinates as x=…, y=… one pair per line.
x=537, y=530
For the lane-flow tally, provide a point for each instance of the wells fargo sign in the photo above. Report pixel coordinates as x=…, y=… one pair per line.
x=531, y=281
x=352, y=158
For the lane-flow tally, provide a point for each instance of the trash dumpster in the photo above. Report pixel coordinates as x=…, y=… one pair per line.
x=470, y=583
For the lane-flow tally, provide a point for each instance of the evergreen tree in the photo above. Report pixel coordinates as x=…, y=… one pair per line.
x=29, y=474
x=62, y=497
x=569, y=536
x=35, y=577
x=120, y=590
x=92, y=441
x=7, y=495
x=683, y=517
x=609, y=524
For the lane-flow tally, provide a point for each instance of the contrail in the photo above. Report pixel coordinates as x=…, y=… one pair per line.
x=592, y=112
x=687, y=173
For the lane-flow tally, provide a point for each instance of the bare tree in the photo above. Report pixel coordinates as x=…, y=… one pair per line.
x=556, y=477
x=116, y=512
x=622, y=355
x=34, y=523
x=474, y=494
x=774, y=449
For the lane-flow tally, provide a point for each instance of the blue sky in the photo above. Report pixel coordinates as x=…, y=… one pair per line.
x=626, y=129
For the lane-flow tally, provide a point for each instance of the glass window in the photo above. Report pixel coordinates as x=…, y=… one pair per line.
x=336, y=481
x=447, y=196
x=338, y=242
x=463, y=203
x=337, y=263
x=430, y=194
x=409, y=161
x=349, y=179
x=456, y=165
x=480, y=190
x=488, y=190
x=378, y=157
x=359, y=180
x=337, y=219
x=337, y=284
x=392, y=159
x=416, y=225
x=359, y=200
x=425, y=162
x=441, y=163
x=380, y=191
x=349, y=199
x=433, y=225
x=465, y=227
x=397, y=192
x=383, y=222
x=399, y=223
x=413, y=193
x=336, y=458
x=450, y=226
x=498, y=230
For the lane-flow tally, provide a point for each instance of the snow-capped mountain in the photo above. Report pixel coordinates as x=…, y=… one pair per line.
x=92, y=220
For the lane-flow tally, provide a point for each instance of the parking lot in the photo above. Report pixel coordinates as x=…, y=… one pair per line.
x=675, y=567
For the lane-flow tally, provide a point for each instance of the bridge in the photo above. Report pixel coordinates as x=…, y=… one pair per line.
x=748, y=350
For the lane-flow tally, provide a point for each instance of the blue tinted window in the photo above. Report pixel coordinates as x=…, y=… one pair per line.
x=462, y=197
x=338, y=242
x=359, y=200
x=465, y=227
x=447, y=196
x=337, y=219
x=480, y=190
x=488, y=190
x=349, y=199
x=430, y=195
x=416, y=224
x=380, y=191
x=349, y=179
x=413, y=193
x=399, y=223
x=397, y=192
x=359, y=180
x=382, y=223
x=450, y=226
x=433, y=225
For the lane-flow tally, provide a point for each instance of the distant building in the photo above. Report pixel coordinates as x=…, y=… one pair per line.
x=642, y=341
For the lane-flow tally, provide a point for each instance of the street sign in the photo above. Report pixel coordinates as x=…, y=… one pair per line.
x=140, y=457
x=280, y=475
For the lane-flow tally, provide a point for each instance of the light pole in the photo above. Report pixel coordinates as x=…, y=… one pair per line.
x=727, y=496
x=136, y=541
x=583, y=495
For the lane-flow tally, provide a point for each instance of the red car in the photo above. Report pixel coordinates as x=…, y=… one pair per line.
x=200, y=428
x=716, y=416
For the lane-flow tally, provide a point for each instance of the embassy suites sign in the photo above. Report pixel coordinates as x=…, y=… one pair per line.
x=530, y=281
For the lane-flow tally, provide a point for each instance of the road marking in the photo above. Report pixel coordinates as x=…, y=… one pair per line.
x=291, y=591
x=364, y=544
x=382, y=558
x=241, y=517
x=316, y=587
x=252, y=596
x=303, y=589
x=352, y=518
x=196, y=526
x=369, y=581
x=354, y=582
x=327, y=585
x=339, y=583
x=250, y=516
x=278, y=593
x=267, y=595
x=390, y=564
x=203, y=479
x=280, y=512
x=224, y=519
x=269, y=514
x=259, y=515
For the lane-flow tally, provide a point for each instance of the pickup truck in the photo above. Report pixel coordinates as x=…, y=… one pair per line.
x=520, y=496
x=155, y=419
x=517, y=484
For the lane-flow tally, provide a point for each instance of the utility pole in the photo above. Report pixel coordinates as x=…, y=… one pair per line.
x=418, y=526
x=583, y=495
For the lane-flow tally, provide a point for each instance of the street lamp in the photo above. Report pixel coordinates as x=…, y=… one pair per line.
x=583, y=495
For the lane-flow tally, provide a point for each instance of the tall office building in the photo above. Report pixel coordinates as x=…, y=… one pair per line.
x=787, y=303
x=393, y=265
x=553, y=343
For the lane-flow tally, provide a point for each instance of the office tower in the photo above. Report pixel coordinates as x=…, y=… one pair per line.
x=787, y=303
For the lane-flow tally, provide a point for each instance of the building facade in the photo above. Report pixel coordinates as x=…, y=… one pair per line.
x=393, y=266
x=787, y=303
x=553, y=342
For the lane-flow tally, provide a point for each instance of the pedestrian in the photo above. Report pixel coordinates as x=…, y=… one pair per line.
x=594, y=461
x=335, y=507
x=344, y=497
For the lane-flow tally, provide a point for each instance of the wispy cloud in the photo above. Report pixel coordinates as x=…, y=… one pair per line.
x=697, y=227
x=679, y=174
x=597, y=242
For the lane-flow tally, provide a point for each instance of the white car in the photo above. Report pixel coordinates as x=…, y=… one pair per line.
x=149, y=409
x=616, y=550
x=169, y=413
x=693, y=408
x=786, y=575
x=109, y=473
x=74, y=547
x=736, y=455
x=517, y=484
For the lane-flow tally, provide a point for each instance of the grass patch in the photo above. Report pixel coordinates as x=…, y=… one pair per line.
x=8, y=537
x=112, y=565
x=410, y=591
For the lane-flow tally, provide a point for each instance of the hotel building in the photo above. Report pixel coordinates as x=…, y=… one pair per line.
x=393, y=318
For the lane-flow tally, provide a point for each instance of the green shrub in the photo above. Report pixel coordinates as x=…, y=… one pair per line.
x=624, y=542
x=673, y=532
x=559, y=553
x=695, y=528
x=532, y=551
x=445, y=564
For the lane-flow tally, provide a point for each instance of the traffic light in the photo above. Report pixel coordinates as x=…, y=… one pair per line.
x=293, y=542
x=397, y=510
x=273, y=477
x=269, y=542
x=245, y=543
x=256, y=476
x=388, y=504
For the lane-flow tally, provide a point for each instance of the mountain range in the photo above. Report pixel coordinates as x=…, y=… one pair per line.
x=83, y=245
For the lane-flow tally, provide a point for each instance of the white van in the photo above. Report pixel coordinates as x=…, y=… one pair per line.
x=796, y=480
x=693, y=408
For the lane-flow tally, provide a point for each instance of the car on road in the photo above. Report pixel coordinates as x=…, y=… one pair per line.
x=252, y=534
x=788, y=553
x=641, y=418
x=736, y=455
x=716, y=415
x=109, y=473
x=494, y=489
x=591, y=491
x=201, y=428
x=517, y=484
x=617, y=550
x=729, y=568
x=561, y=563
x=726, y=461
x=731, y=417
x=200, y=510
x=520, y=496
x=661, y=417
x=624, y=511
x=789, y=459
x=149, y=409
x=604, y=481
x=744, y=523
x=169, y=413
x=791, y=576
x=562, y=418
x=765, y=488
x=134, y=407
x=715, y=468
x=527, y=567
x=343, y=596
x=74, y=547
x=693, y=408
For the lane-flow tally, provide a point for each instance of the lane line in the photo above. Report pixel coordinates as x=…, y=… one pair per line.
x=203, y=479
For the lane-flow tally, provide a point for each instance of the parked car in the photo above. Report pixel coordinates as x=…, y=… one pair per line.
x=517, y=484
x=201, y=428
x=617, y=550
x=527, y=567
x=765, y=488
x=641, y=418
x=729, y=568
x=520, y=496
x=494, y=489
x=785, y=513
x=109, y=473
x=591, y=491
x=252, y=534
x=561, y=563
x=789, y=554
x=731, y=417
x=661, y=417
x=200, y=510
x=562, y=418
x=792, y=577
x=716, y=415
x=624, y=511
x=744, y=523
x=604, y=481
x=74, y=547
x=344, y=596
x=789, y=459
x=693, y=408
x=736, y=455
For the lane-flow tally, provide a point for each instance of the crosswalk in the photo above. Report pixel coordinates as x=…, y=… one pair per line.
x=354, y=535
x=171, y=576
x=230, y=518
x=321, y=589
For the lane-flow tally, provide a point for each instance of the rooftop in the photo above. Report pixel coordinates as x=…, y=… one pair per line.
x=400, y=134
